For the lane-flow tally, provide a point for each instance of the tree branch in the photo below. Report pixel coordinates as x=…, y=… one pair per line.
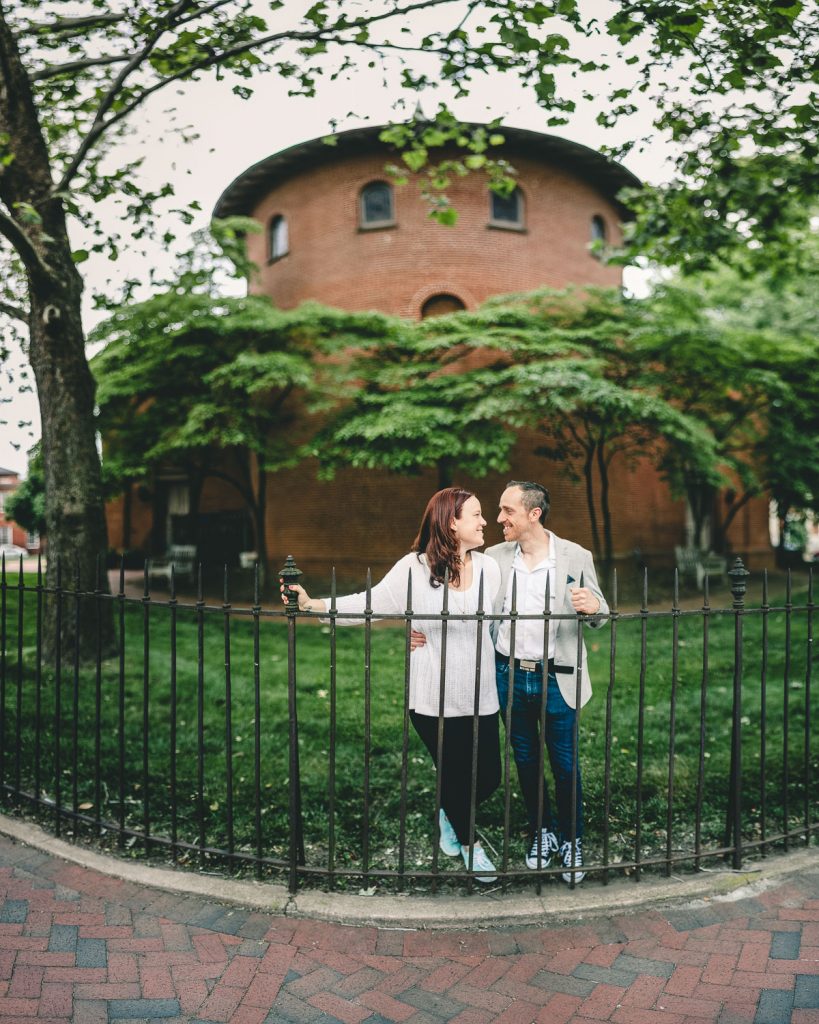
x=13, y=311
x=737, y=505
x=201, y=11
x=54, y=70
x=248, y=496
x=100, y=125
x=11, y=230
x=72, y=25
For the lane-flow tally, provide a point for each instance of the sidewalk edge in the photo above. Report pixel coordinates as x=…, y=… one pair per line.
x=490, y=908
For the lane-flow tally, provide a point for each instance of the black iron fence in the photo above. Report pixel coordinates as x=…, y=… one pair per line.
x=258, y=740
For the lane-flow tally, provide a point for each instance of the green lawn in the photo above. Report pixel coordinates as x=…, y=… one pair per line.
x=785, y=705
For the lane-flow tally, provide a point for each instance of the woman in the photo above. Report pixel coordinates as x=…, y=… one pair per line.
x=451, y=531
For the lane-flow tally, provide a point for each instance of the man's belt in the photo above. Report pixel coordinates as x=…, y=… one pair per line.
x=535, y=666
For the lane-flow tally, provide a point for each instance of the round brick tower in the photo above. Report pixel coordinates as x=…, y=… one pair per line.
x=337, y=230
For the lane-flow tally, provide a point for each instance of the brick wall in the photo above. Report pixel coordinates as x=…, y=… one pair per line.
x=395, y=269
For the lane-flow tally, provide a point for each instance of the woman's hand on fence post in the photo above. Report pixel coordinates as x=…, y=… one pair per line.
x=298, y=592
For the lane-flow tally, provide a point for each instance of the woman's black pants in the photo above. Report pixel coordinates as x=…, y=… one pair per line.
x=456, y=763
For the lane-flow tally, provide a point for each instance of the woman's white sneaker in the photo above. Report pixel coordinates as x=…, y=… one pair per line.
x=449, y=840
x=480, y=862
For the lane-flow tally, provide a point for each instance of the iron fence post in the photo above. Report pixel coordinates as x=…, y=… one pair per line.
x=3, y=587
x=289, y=575
x=808, y=680
x=738, y=574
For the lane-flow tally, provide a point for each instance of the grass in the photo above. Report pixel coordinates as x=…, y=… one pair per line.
x=787, y=803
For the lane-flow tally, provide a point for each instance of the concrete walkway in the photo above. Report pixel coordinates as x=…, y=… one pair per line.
x=80, y=944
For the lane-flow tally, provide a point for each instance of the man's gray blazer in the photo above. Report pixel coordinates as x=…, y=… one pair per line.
x=571, y=560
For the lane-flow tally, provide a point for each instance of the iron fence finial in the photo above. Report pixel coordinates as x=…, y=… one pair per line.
x=290, y=575
x=739, y=575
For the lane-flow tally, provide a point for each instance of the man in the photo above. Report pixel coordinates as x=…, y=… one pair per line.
x=528, y=556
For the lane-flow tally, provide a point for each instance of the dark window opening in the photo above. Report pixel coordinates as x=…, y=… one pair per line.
x=598, y=228
x=279, y=241
x=377, y=204
x=507, y=210
x=440, y=305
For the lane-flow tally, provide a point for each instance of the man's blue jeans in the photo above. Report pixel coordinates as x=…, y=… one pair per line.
x=524, y=735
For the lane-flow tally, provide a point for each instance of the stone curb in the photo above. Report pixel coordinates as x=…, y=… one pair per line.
x=489, y=908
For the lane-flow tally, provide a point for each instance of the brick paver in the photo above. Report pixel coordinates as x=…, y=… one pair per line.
x=78, y=946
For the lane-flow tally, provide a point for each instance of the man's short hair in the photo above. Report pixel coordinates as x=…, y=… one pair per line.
x=533, y=496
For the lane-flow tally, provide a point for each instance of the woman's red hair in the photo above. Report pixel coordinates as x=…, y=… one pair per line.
x=435, y=538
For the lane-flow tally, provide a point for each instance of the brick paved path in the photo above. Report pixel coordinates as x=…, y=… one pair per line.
x=81, y=946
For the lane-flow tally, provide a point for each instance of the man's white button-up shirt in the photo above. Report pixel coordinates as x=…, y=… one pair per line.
x=529, y=599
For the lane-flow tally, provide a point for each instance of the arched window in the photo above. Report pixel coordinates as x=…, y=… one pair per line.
x=440, y=305
x=278, y=237
x=376, y=205
x=598, y=228
x=506, y=211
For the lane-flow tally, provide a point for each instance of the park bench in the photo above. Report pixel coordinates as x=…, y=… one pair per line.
x=700, y=564
x=182, y=557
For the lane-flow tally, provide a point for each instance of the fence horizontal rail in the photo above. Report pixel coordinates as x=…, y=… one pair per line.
x=259, y=739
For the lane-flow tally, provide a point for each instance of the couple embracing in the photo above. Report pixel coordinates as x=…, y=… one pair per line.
x=445, y=553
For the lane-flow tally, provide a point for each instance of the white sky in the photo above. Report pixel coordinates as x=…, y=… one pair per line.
x=234, y=133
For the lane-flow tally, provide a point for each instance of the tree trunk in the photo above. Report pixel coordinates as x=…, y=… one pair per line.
x=700, y=503
x=74, y=511
x=259, y=516
x=721, y=542
x=588, y=473
x=605, y=510
x=35, y=227
x=445, y=468
x=127, y=515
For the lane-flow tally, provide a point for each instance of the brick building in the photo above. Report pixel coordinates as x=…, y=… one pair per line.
x=12, y=535
x=337, y=230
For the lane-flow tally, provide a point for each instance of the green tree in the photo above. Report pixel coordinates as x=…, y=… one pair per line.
x=26, y=505
x=738, y=346
x=227, y=387
x=734, y=87
x=453, y=389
